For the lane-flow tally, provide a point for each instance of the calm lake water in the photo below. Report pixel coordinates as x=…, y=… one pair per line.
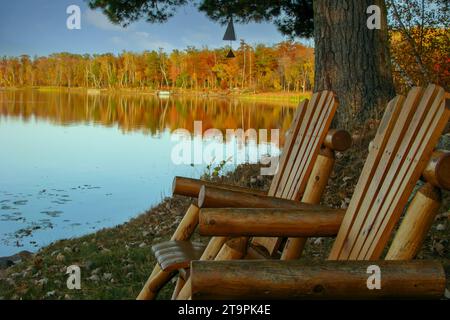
x=74, y=163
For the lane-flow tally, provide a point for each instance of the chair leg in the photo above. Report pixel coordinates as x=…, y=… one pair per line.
x=233, y=249
x=158, y=277
x=178, y=287
x=154, y=284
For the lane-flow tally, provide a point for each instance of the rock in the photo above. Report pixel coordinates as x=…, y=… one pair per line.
x=96, y=271
x=441, y=227
x=67, y=250
x=50, y=293
x=318, y=242
x=94, y=277
x=60, y=257
x=42, y=282
x=54, y=253
x=107, y=276
x=142, y=245
x=67, y=297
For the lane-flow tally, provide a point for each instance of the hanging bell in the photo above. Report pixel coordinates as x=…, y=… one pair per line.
x=230, y=54
x=230, y=35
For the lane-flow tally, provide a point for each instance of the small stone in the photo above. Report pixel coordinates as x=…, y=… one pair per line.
x=42, y=282
x=318, y=242
x=95, y=271
x=67, y=250
x=67, y=297
x=94, y=277
x=253, y=180
x=50, y=293
x=142, y=245
x=441, y=227
x=107, y=276
x=60, y=257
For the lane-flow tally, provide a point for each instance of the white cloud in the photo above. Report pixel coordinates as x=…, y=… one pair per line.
x=140, y=41
x=119, y=41
x=144, y=41
x=99, y=20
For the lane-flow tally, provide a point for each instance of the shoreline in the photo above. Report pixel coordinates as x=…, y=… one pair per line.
x=269, y=96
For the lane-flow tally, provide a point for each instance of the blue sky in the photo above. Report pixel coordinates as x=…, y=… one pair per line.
x=38, y=27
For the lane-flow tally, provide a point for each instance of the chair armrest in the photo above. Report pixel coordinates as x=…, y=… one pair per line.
x=213, y=197
x=191, y=187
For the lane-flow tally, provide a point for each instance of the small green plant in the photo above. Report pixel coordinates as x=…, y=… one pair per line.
x=212, y=171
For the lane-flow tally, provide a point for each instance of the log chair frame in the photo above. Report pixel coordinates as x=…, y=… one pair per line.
x=412, y=143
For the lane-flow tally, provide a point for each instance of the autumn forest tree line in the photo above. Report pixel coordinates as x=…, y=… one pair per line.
x=287, y=66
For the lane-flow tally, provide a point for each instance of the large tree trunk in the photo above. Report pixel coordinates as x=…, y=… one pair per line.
x=352, y=60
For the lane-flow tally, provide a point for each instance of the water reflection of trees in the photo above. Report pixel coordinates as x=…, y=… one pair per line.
x=143, y=113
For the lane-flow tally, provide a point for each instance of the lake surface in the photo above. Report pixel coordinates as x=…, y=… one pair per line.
x=74, y=163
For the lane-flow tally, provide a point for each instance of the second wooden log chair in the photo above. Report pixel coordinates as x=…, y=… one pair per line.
x=401, y=153
x=303, y=172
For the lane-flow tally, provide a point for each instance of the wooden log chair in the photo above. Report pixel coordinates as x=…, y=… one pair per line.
x=302, y=174
x=401, y=153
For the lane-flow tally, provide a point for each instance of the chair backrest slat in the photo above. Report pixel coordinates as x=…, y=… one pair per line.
x=317, y=135
x=303, y=139
x=289, y=144
x=306, y=135
x=400, y=151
